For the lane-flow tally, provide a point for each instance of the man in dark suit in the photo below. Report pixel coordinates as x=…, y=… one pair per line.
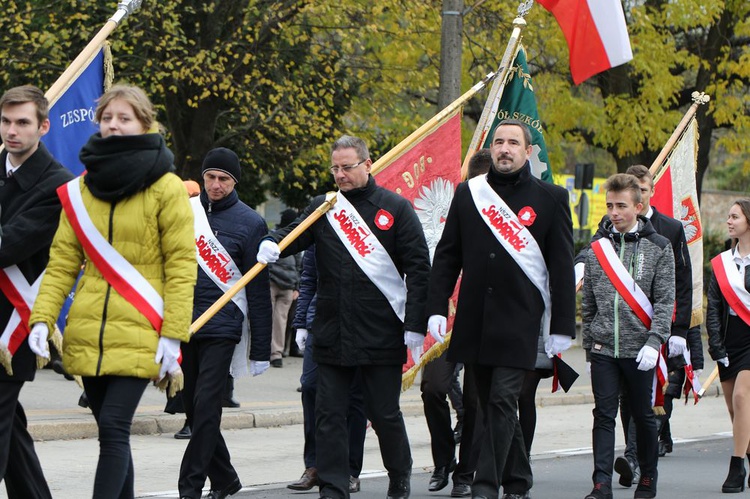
x=512, y=236
x=30, y=214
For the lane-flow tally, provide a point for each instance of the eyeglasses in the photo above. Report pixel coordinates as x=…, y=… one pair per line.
x=345, y=168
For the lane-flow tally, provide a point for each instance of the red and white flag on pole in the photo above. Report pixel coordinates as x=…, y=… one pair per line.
x=427, y=173
x=596, y=33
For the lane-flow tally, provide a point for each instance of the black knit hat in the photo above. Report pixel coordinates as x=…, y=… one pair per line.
x=224, y=160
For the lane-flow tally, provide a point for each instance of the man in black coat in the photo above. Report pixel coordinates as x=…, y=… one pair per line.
x=366, y=313
x=30, y=214
x=512, y=236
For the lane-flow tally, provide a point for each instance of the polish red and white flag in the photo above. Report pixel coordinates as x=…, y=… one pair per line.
x=596, y=33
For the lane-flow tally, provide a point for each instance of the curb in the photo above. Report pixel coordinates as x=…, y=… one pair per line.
x=159, y=423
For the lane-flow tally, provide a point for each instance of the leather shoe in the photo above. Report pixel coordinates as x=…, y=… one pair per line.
x=399, y=488
x=353, y=484
x=665, y=447
x=625, y=468
x=439, y=478
x=461, y=490
x=308, y=480
x=227, y=491
x=185, y=433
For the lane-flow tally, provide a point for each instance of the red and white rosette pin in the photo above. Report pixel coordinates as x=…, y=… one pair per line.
x=527, y=215
x=383, y=220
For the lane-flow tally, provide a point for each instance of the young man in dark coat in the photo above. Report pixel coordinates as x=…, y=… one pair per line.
x=237, y=229
x=30, y=214
x=366, y=315
x=512, y=236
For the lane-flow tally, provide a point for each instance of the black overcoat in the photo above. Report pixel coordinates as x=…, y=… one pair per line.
x=499, y=311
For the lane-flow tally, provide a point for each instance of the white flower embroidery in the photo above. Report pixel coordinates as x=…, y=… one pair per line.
x=431, y=205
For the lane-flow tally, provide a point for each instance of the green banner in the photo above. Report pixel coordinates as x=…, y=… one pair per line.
x=519, y=103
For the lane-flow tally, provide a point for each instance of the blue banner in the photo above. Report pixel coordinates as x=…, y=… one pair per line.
x=72, y=116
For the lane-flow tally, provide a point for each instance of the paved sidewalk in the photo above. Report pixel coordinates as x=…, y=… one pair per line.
x=268, y=400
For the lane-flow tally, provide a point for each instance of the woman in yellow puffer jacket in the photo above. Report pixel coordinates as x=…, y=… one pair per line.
x=140, y=208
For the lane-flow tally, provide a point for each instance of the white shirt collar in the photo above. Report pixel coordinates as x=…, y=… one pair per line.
x=649, y=213
x=9, y=168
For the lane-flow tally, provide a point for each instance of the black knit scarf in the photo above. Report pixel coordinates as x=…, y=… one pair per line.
x=119, y=166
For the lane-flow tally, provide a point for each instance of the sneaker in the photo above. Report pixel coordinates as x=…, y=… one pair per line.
x=646, y=488
x=600, y=491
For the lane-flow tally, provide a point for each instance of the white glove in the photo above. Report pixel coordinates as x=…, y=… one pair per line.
x=647, y=358
x=697, y=373
x=38, y=339
x=167, y=353
x=557, y=343
x=268, y=252
x=415, y=343
x=677, y=346
x=301, y=339
x=724, y=361
x=578, y=269
x=437, y=326
x=258, y=367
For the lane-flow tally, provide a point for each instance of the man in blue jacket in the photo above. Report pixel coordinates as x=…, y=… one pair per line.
x=227, y=235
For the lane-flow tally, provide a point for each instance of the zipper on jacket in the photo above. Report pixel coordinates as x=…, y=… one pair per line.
x=106, y=297
x=617, y=304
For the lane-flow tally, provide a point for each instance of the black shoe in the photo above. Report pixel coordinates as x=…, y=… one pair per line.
x=524, y=495
x=227, y=491
x=461, y=490
x=353, y=484
x=600, y=491
x=439, y=478
x=399, y=488
x=626, y=470
x=735, y=481
x=647, y=488
x=308, y=480
x=83, y=401
x=277, y=363
x=57, y=366
x=665, y=447
x=185, y=433
x=458, y=431
x=230, y=402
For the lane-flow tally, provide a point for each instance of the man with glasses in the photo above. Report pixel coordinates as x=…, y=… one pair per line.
x=373, y=266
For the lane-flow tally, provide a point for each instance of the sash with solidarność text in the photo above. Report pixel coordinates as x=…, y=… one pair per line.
x=218, y=265
x=368, y=252
x=515, y=238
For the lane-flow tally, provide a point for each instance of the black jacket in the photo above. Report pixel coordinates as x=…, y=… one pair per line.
x=683, y=271
x=354, y=323
x=499, y=311
x=717, y=315
x=239, y=229
x=29, y=219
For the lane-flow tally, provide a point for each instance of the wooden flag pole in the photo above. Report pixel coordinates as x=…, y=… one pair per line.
x=124, y=9
x=699, y=98
x=258, y=267
x=709, y=381
x=496, y=92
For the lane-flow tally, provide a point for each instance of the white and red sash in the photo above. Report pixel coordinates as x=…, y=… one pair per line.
x=368, y=252
x=21, y=295
x=218, y=265
x=115, y=269
x=515, y=238
x=623, y=281
x=732, y=284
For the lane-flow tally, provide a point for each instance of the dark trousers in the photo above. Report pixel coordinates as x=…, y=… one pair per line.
x=381, y=388
x=503, y=457
x=527, y=407
x=19, y=465
x=205, y=363
x=437, y=380
x=355, y=416
x=113, y=400
x=607, y=376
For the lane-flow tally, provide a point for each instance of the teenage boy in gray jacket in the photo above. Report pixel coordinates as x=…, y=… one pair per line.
x=628, y=300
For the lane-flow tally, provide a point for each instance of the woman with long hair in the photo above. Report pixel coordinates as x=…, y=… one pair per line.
x=728, y=325
x=129, y=222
